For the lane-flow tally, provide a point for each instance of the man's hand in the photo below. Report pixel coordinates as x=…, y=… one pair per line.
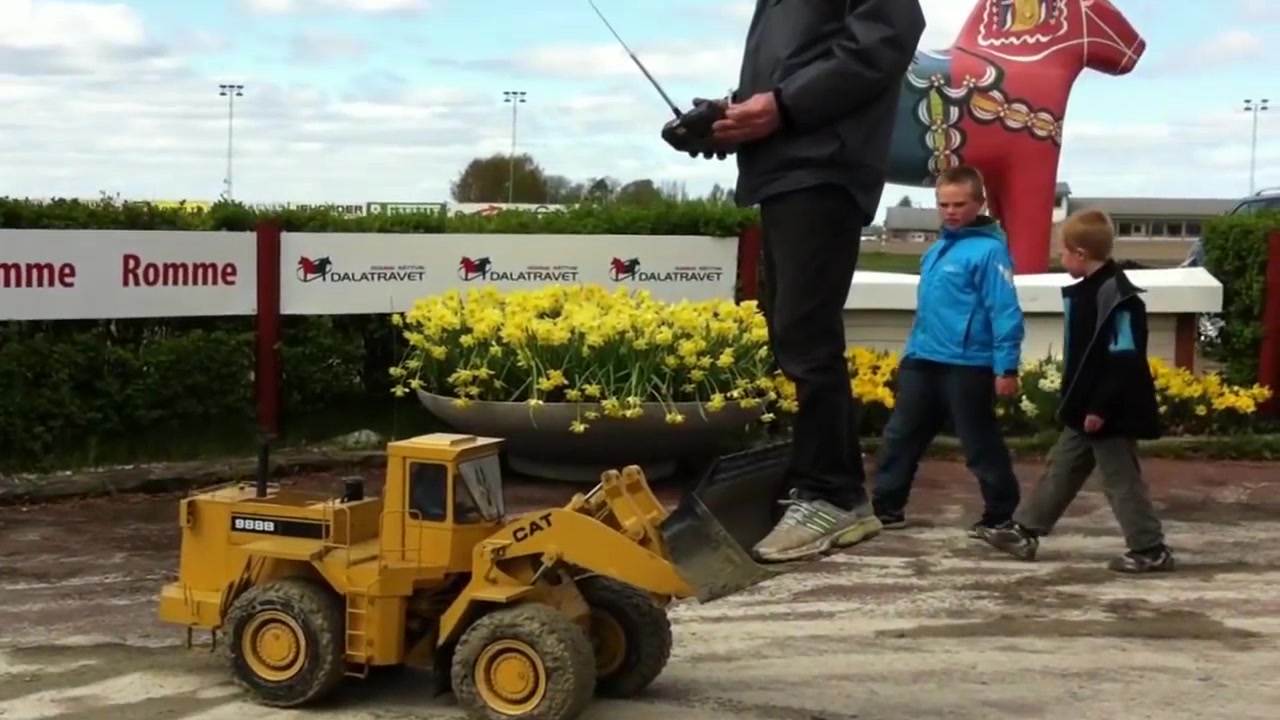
x=1007, y=386
x=1093, y=423
x=752, y=119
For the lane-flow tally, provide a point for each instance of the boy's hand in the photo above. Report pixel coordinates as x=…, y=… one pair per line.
x=1093, y=423
x=1007, y=386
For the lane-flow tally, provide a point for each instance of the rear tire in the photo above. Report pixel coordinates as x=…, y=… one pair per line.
x=630, y=633
x=286, y=642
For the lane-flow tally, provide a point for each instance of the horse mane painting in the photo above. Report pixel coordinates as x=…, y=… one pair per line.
x=997, y=100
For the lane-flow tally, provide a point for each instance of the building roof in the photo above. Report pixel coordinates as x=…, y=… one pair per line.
x=924, y=219
x=1156, y=207
x=911, y=218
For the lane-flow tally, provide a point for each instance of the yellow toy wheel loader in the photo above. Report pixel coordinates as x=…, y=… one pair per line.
x=528, y=616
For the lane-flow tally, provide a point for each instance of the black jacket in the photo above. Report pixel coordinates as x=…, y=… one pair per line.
x=1105, y=356
x=836, y=67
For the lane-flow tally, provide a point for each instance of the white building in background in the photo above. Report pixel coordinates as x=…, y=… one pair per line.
x=1136, y=218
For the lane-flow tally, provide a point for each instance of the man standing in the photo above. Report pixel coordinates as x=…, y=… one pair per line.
x=811, y=123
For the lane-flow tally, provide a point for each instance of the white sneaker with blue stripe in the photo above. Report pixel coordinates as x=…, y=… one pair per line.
x=811, y=528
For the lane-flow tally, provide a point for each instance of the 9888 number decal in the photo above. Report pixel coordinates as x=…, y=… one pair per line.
x=253, y=525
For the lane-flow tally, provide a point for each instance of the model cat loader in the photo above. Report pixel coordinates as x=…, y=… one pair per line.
x=526, y=616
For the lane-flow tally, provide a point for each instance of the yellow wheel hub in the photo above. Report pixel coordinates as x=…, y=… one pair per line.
x=610, y=642
x=510, y=677
x=274, y=646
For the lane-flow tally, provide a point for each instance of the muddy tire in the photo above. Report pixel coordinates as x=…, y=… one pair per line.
x=286, y=642
x=528, y=661
x=630, y=635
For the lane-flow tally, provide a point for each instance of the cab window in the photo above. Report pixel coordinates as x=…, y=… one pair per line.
x=478, y=490
x=428, y=491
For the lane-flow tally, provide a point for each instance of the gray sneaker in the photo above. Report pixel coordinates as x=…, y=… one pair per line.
x=811, y=528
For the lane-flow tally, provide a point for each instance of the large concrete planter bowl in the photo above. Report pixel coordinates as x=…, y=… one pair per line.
x=539, y=443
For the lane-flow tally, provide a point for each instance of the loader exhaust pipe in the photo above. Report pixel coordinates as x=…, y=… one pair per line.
x=710, y=534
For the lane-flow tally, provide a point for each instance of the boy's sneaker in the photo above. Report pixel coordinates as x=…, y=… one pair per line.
x=981, y=529
x=811, y=528
x=1014, y=540
x=891, y=520
x=1134, y=562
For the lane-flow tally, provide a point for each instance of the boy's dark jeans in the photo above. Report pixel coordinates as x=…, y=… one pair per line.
x=927, y=394
x=1071, y=461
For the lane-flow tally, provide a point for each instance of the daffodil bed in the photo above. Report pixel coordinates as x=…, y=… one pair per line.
x=1190, y=404
x=612, y=353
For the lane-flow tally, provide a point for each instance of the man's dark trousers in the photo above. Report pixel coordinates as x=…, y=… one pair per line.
x=927, y=393
x=811, y=238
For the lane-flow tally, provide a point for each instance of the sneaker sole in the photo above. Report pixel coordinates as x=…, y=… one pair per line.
x=861, y=532
x=1014, y=549
x=1149, y=570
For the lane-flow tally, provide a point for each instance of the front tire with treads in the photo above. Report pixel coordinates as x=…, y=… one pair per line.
x=528, y=661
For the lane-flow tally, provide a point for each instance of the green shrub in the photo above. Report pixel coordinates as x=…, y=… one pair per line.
x=1236, y=248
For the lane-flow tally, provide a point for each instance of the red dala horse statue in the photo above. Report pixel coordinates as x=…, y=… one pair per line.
x=997, y=100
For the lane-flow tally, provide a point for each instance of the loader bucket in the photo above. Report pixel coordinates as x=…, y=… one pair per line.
x=710, y=534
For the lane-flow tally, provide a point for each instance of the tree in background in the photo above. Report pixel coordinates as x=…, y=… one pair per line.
x=486, y=180
x=564, y=191
x=720, y=195
x=905, y=201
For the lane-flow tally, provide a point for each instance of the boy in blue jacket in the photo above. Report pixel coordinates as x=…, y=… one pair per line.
x=964, y=349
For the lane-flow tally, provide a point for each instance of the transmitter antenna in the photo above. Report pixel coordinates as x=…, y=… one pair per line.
x=636, y=60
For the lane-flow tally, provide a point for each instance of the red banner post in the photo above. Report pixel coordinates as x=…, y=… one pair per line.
x=1269, y=355
x=266, y=369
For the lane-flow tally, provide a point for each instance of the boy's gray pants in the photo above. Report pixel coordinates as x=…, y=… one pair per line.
x=1072, y=459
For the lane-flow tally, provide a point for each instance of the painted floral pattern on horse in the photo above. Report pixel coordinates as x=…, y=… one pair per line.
x=1023, y=22
x=939, y=108
x=997, y=99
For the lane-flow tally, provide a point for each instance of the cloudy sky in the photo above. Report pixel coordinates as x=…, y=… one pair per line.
x=385, y=100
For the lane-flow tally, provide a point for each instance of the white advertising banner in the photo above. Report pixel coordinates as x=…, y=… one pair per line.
x=359, y=273
x=77, y=274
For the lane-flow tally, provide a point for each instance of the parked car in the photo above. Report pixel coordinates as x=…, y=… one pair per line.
x=1261, y=201
x=1264, y=199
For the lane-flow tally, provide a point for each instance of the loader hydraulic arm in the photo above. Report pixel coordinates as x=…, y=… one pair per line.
x=573, y=537
x=612, y=530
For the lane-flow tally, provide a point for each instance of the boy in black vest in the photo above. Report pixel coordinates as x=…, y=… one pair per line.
x=1108, y=402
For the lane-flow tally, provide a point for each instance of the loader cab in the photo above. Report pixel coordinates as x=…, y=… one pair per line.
x=443, y=496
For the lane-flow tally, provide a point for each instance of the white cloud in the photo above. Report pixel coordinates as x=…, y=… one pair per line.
x=57, y=38
x=94, y=101
x=372, y=7
x=1260, y=11
x=318, y=47
x=672, y=60
x=1224, y=48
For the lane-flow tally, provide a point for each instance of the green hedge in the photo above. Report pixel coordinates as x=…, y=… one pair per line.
x=683, y=218
x=93, y=391
x=1235, y=248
